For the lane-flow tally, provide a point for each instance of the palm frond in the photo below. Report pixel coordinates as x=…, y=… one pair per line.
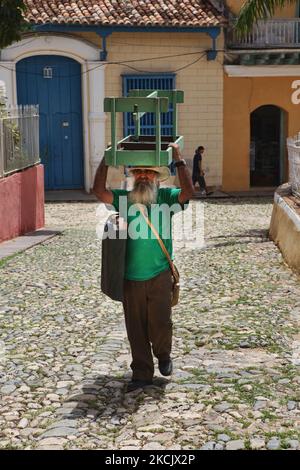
x=254, y=10
x=12, y=21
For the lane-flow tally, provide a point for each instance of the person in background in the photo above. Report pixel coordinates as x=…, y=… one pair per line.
x=198, y=173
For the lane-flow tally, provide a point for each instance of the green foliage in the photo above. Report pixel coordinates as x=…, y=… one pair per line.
x=2, y=101
x=3, y=261
x=254, y=10
x=10, y=125
x=12, y=22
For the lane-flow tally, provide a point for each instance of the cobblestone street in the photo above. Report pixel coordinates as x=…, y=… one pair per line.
x=65, y=359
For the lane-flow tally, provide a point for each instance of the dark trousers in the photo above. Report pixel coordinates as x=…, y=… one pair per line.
x=201, y=181
x=147, y=308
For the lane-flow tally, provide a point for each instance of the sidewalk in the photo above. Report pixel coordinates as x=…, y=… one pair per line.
x=69, y=195
x=22, y=243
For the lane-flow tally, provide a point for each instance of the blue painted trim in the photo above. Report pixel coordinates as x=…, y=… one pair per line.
x=212, y=54
x=103, y=53
x=154, y=74
x=104, y=31
x=214, y=32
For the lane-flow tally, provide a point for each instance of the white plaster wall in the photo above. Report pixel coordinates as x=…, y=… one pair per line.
x=93, y=86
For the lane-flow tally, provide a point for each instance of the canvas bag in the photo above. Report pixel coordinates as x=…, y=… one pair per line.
x=113, y=257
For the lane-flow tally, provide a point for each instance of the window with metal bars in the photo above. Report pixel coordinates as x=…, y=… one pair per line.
x=155, y=81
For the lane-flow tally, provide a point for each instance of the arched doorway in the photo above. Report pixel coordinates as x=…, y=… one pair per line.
x=267, y=147
x=54, y=83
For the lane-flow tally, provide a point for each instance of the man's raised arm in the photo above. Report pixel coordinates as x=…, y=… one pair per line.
x=99, y=188
x=185, y=179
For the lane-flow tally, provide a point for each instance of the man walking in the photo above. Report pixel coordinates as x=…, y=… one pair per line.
x=148, y=279
x=198, y=173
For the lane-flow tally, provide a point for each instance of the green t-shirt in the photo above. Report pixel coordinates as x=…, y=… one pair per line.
x=144, y=256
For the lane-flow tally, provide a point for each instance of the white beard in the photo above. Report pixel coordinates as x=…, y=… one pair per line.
x=144, y=193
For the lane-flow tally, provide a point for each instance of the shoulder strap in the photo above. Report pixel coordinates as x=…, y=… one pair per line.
x=164, y=249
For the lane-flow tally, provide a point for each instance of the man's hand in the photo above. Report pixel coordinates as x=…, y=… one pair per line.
x=99, y=188
x=185, y=181
x=176, y=151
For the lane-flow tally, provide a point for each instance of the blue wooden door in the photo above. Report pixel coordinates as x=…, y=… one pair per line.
x=54, y=82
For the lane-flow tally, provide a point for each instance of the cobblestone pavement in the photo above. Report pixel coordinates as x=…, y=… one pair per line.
x=64, y=356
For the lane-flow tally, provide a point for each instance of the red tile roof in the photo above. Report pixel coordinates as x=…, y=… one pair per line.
x=176, y=13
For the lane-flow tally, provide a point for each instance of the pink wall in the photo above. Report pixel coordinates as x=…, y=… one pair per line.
x=22, y=202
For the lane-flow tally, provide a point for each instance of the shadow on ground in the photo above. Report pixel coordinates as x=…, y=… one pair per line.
x=106, y=395
x=261, y=233
x=257, y=236
x=240, y=201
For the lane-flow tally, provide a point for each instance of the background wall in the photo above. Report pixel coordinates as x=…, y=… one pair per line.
x=241, y=97
x=22, y=202
x=201, y=115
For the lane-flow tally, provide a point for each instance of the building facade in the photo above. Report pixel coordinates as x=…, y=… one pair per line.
x=241, y=96
x=78, y=54
x=261, y=106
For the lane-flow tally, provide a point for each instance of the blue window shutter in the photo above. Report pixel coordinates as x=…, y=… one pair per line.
x=164, y=81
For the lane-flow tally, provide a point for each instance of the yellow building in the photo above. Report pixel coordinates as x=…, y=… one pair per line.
x=80, y=52
x=261, y=101
x=241, y=96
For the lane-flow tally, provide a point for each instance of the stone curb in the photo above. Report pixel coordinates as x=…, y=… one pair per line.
x=22, y=243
